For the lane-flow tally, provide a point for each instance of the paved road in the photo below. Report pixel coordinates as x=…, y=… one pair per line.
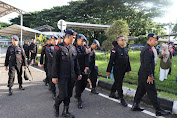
x=36, y=101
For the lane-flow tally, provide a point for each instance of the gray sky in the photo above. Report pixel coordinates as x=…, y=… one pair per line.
x=38, y=5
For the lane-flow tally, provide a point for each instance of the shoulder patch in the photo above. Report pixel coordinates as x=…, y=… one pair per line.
x=151, y=50
x=57, y=48
x=113, y=51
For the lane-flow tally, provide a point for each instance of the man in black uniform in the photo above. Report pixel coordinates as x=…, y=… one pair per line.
x=15, y=59
x=49, y=51
x=26, y=48
x=94, y=69
x=44, y=64
x=65, y=72
x=119, y=60
x=33, y=50
x=83, y=58
x=146, y=83
x=60, y=39
x=113, y=88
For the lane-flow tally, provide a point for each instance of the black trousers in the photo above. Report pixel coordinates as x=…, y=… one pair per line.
x=118, y=81
x=27, y=55
x=81, y=85
x=12, y=75
x=33, y=57
x=65, y=86
x=51, y=84
x=113, y=88
x=169, y=73
x=150, y=89
x=46, y=72
x=93, y=76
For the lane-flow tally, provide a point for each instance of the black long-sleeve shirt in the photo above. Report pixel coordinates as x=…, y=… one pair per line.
x=15, y=55
x=147, y=61
x=65, y=63
x=119, y=59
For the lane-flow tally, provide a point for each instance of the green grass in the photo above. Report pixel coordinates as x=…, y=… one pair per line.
x=160, y=94
x=168, y=84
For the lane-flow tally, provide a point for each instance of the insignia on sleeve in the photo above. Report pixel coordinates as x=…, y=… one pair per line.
x=113, y=51
x=57, y=48
x=151, y=50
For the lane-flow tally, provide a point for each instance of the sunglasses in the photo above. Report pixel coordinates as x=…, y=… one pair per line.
x=122, y=40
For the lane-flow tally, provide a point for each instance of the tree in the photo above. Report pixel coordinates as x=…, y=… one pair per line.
x=136, y=13
x=3, y=25
x=118, y=28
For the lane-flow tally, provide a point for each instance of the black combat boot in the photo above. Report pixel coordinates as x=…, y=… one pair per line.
x=66, y=113
x=56, y=107
x=21, y=87
x=94, y=91
x=136, y=107
x=161, y=112
x=10, y=91
x=54, y=96
x=80, y=103
x=113, y=95
x=123, y=102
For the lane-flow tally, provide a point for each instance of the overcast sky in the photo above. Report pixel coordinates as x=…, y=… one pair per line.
x=37, y=5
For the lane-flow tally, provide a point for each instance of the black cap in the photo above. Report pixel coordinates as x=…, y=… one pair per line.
x=47, y=38
x=96, y=42
x=15, y=37
x=54, y=36
x=69, y=31
x=81, y=35
x=152, y=35
x=60, y=36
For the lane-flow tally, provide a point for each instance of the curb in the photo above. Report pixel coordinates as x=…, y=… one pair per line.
x=164, y=103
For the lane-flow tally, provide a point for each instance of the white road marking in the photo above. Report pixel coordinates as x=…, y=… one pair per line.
x=115, y=100
x=129, y=105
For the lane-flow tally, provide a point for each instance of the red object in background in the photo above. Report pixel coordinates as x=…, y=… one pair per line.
x=36, y=63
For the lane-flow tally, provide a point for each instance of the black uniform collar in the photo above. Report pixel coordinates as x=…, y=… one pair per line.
x=148, y=45
x=119, y=46
x=65, y=44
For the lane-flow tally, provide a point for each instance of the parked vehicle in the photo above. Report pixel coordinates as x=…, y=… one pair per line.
x=136, y=46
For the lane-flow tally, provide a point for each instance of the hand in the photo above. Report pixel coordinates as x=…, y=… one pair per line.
x=42, y=65
x=79, y=77
x=155, y=64
x=86, y=68
x=88, y=50
x=55, y=80
x=150, y=80
x=6, y=68
x=90, y=86
x=25, y=67
x=108, y=74
x=128, y=73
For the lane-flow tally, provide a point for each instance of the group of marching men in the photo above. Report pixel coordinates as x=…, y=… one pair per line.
x=67, y=65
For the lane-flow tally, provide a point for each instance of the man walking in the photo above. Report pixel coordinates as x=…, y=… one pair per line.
x=119, y=60
x=15, y=59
